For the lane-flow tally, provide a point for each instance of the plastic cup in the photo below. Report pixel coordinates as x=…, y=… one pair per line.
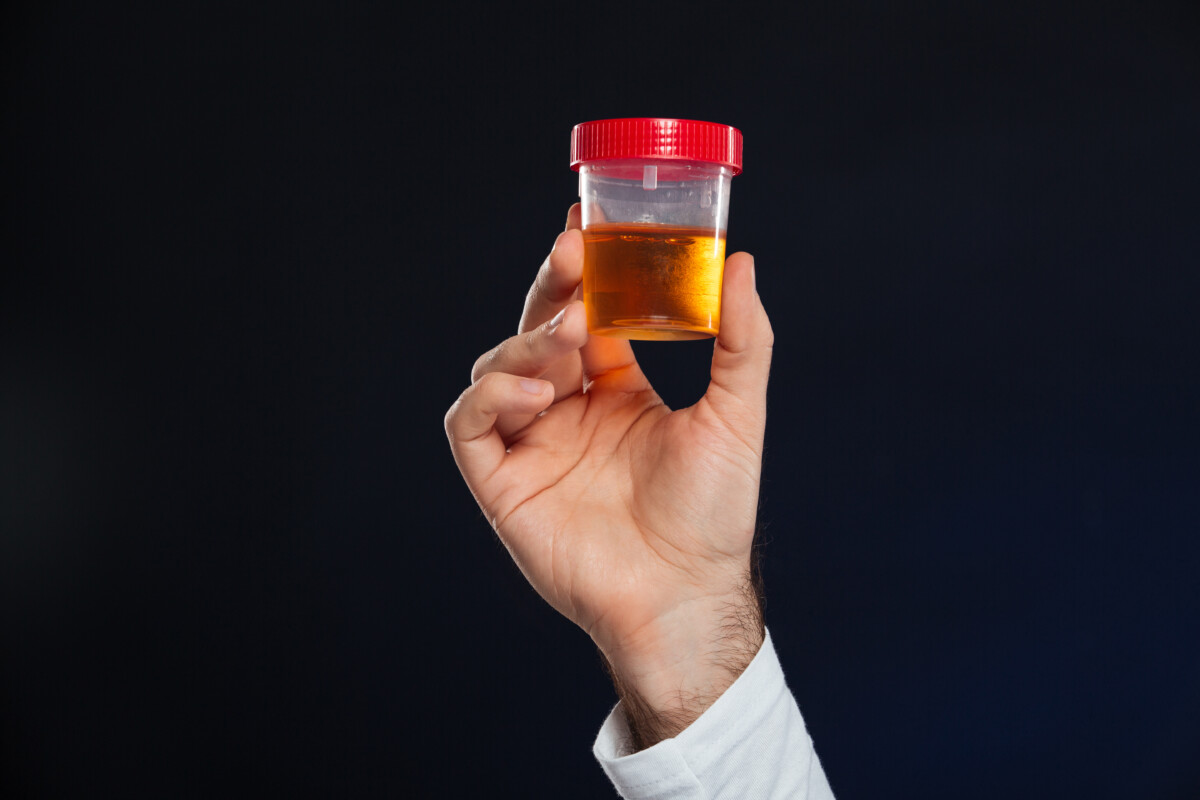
x=655, y=201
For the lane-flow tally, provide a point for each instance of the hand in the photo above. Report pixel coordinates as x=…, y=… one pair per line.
x=634, y=521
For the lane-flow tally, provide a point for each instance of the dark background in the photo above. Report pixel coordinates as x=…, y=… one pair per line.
x=251, y=253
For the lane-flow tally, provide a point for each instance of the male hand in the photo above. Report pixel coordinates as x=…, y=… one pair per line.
x=634, y=521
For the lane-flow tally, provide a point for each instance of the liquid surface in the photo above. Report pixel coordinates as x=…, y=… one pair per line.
x=650, y=281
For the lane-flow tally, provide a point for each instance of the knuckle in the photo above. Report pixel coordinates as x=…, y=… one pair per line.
x=555, y=280
x=484, y=364
x=768, y=331
x=448, y=422
x=541, y=283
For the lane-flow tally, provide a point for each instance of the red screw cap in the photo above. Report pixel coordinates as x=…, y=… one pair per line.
x=669, y=139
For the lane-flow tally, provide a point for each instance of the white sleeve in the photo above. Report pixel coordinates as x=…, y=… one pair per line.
x=750, y=744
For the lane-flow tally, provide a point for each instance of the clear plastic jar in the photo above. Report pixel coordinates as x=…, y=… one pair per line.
x=655, y=201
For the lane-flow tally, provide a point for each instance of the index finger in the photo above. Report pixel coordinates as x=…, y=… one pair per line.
x=558, y=278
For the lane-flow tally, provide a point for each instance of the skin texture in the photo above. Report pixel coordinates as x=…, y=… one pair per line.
x=634, y=521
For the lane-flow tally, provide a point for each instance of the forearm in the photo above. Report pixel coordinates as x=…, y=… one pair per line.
x=677, y=667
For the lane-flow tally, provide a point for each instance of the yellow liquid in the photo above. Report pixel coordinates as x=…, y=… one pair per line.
x=650, y=281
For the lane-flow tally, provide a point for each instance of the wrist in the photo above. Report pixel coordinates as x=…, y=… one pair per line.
x=671, y=670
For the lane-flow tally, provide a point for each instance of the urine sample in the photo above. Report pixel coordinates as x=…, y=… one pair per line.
x=646, y=280
x=655, y=201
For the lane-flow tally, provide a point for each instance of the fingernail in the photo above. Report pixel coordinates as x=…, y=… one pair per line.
x=533, y=387
x=753, y=276
x=554, y=323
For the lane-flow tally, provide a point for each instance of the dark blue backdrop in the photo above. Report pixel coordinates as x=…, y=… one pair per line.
x=250, y=256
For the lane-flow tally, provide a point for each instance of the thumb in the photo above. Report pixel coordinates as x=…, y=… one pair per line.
x=742, y=353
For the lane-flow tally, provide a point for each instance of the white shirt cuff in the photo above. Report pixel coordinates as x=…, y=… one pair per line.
x=750, y=743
